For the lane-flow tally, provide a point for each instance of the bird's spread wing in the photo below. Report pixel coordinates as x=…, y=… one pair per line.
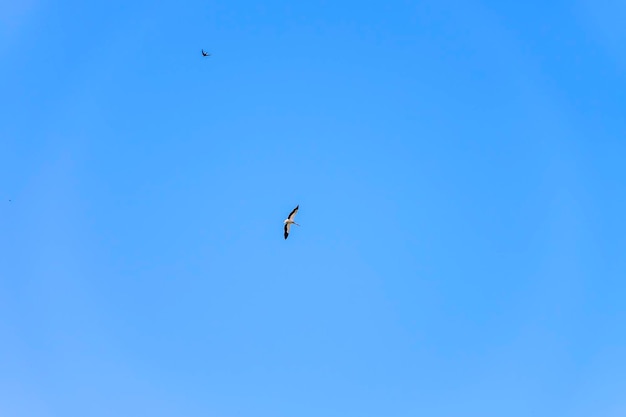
x=293, y=212
x=287, y=226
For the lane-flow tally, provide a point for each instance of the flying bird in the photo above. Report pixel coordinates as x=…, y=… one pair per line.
x=205, y=54
x=289, y=220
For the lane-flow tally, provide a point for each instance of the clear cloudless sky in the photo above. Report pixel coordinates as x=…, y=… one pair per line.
x=460, y=170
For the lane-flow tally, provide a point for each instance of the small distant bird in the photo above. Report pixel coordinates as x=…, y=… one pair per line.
x=205, y=53
x=289, y=220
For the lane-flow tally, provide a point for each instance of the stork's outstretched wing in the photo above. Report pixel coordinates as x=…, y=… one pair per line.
x=287, y=227
x=293, y=212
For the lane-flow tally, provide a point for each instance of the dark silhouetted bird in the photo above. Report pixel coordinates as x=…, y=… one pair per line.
x=205, y=54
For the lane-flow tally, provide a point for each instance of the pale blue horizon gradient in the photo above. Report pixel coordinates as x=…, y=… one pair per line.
x=459, y=167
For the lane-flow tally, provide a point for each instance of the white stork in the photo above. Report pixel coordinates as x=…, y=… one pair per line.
x=289, y=220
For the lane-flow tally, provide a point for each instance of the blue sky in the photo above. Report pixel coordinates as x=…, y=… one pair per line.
x=459, y=167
